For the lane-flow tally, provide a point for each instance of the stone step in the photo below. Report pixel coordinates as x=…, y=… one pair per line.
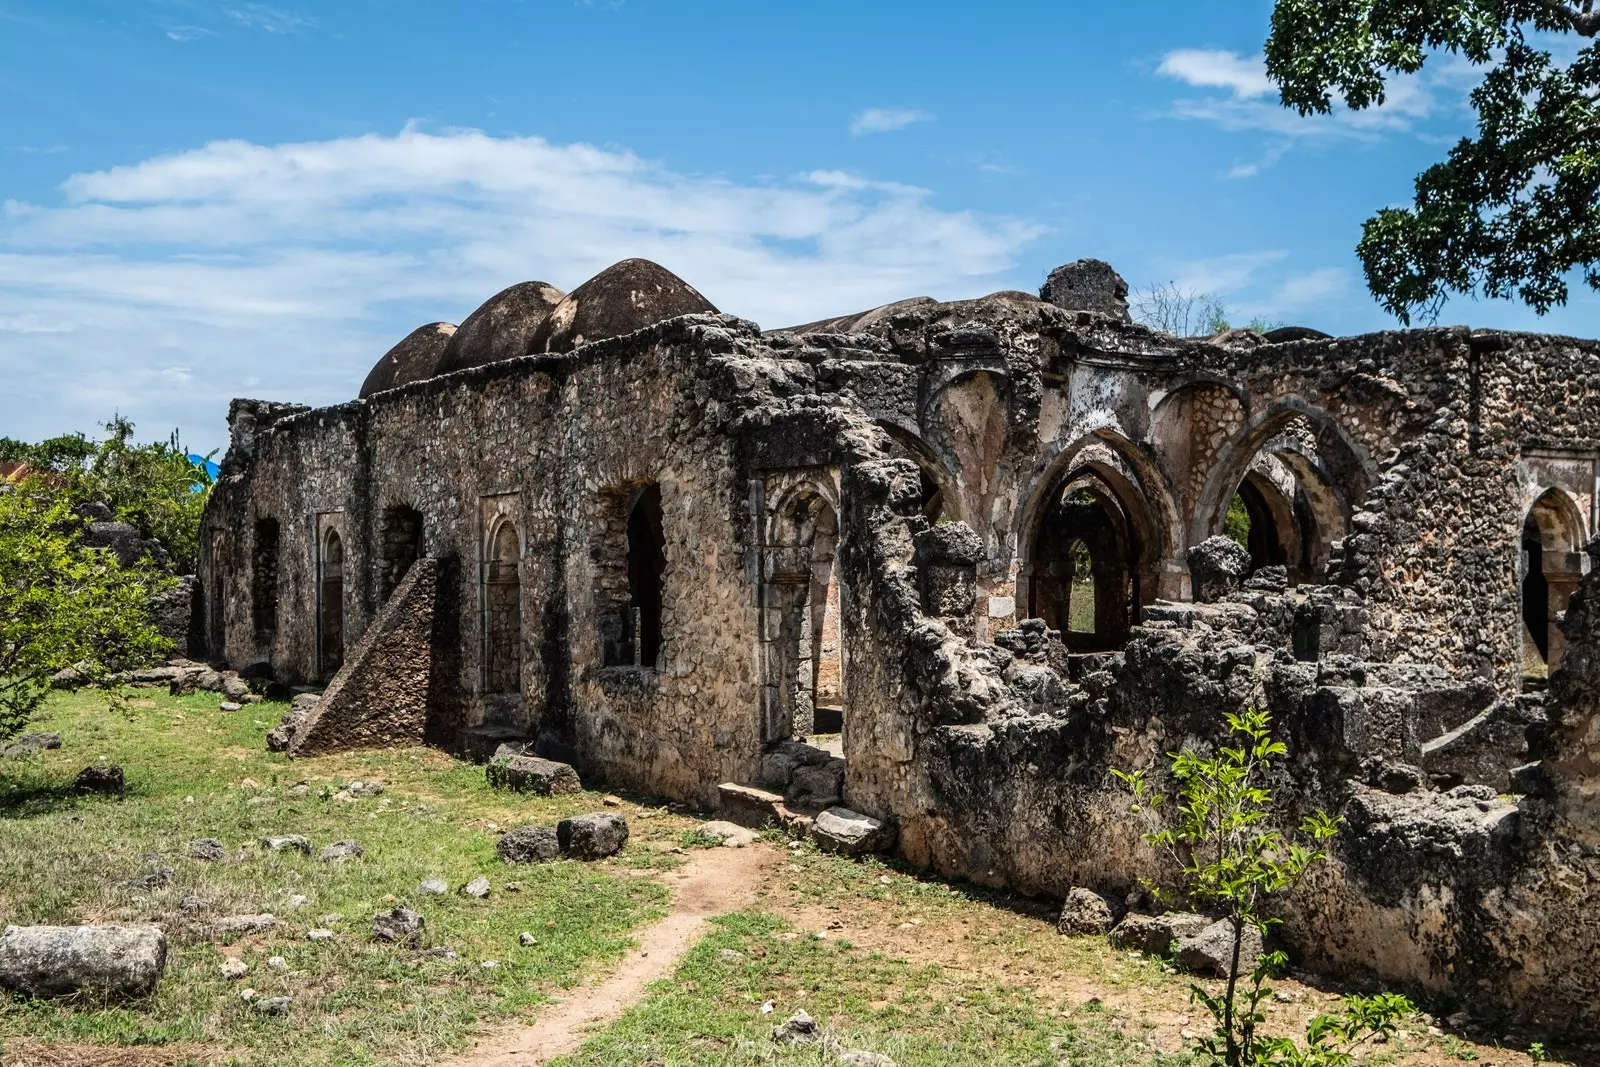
x=756, y=808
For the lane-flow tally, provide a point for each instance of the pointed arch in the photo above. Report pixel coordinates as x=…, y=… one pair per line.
x=1552, y=564
x=502, y=610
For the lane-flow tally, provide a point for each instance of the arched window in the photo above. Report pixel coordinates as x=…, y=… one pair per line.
x=806, y=679
x=1085, y=558
x=330, y=607
x=400, y=546
x=502, y=585
x=1552, y=565
x=647, y=562
x=264, y=580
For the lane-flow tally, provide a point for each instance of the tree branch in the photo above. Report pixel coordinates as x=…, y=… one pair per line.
x=1586, y=23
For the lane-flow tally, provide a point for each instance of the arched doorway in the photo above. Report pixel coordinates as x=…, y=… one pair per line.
x=502, y=611
x=806, y=674
x=1085, y=568
x=330, y=605
x=647, y=563
x=1552, y=565
x=1285, y=489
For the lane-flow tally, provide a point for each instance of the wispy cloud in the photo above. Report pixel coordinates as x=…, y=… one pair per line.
x=270, y=19
x=887, y=119
x=297, y=265
x=1245, y=105
x=185, y=34
x=38, y=149
x=1207, y=68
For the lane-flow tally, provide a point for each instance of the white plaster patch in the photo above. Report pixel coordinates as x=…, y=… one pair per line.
x=1002, y=606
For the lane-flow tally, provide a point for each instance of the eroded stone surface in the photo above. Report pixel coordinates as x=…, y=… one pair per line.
x=56, y=960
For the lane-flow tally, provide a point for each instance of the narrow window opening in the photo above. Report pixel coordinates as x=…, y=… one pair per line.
x=1084, y=570
x=647, y=563
x=503, y=613
x=264, y=579
x=330, y=616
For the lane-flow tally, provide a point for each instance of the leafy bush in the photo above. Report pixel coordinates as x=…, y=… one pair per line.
x=63, y=605
x=1233, y=860
x=155, y=488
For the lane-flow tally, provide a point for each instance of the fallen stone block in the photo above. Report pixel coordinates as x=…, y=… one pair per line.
x=236, y=925
x=749, y=806
x=1217, y=566
x=208, y=849
x=850, y=832
x=401, y=926
x=28, y=744
x=340, y=851
x=1087, y=912
x=1154, y=935
x=1211, y=950
x=534, y=774
x=529, y=844
x=730, y=834
x=288, y=842
x=105, y=780
x=799, y=1029
x=594, y=836
x=55, y=960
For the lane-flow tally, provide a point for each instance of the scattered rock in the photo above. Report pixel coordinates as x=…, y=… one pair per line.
x=278, y=1007
x=798, y=1029
x=442, y=953
x=206, y=848
x=1086, y=912
x=234, y=925
x=850, y=832
x=529, y=844
x=490, y=965
x=340, y=851
x=156, y=879
x=234, y=968
x=54, y=960
x=611, y=801
x=28, y=744
x=363, y=790
x=234, y=688
x=402, y=926
x=730, y=955
x=100, y=778
x=864, y=1059
x=277, y=963
x=534, y=774
x=299, y=789
x=68, y=678
x=818, y=785
x=1211, y=950
x=478, y=888
x=732, y=835
x=594, y=836
x=228, y=705
x=527, y=940
x=1155, y=934
x=434, y=887
x=319, y=934
x=296, y=842
x=1217, y=566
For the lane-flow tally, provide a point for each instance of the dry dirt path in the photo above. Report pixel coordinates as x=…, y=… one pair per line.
x=714, y=882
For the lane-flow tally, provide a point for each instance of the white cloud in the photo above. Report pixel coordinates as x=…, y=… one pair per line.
x=1242, y=170
x=270, y=19
x=1217, y=69
x=1223, y=275
x=887, y=119
x=1243, y=107
x=297, y=265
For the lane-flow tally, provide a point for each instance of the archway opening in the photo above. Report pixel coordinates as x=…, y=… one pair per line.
x=502, y=586
x=1552, y=565
x=1084, y=575
x=330, y=605
x=400, y=545
x=647, y=564
x=803, y=589
x=264, y=580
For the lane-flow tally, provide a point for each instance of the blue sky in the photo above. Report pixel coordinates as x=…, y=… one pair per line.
x=212, y=198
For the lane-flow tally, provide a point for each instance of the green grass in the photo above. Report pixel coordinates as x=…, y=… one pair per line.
x=918, y=1015
x=69, y=859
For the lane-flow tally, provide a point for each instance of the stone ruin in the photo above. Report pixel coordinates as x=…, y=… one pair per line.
x=979, y=541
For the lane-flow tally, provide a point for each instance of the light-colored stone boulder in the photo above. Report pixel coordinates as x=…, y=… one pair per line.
x=850, y=832
x=54, y=960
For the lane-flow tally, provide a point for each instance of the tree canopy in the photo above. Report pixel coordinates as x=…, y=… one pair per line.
x=1510, y=212
x=155, y=487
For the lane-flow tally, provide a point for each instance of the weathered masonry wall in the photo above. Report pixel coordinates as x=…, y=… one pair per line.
x=665, y=554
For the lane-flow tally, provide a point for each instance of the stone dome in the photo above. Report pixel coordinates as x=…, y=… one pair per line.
x=624, y=297
x=501, y=328
x=412, y=360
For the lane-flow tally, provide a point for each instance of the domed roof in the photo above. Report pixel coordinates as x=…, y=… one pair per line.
x=501, y=328
x=624, y=297
x=413, y=359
